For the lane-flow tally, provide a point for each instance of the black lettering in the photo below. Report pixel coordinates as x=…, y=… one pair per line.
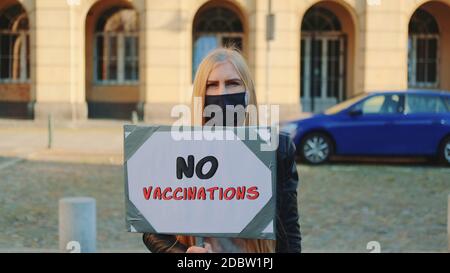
x=186, y=168
x=212, y=170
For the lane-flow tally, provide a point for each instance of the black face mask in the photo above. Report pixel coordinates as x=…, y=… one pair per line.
x=232, y=100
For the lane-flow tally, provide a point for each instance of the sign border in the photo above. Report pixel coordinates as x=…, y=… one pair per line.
x=136, y=135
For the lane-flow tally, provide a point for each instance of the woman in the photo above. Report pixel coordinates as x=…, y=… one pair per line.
x=223, y=78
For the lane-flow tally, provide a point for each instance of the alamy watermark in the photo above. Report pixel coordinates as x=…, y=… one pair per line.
x=374, y=247
x=73, y=247
x=374, y=2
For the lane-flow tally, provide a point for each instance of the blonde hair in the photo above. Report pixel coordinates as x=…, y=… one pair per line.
x=233, y=56
x=220, y=55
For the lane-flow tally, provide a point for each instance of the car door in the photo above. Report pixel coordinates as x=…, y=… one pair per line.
x=424, y=124
x=370, y=127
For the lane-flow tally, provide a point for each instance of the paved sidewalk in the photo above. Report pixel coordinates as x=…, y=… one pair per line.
x=99, y=142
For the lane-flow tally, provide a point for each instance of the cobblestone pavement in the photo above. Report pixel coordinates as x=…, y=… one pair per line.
x=404, y=208
x=29, y=202
x=342, y=207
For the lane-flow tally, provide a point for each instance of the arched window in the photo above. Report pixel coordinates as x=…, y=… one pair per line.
x=423, y=49
x=323, y=50
x=215, y=27
x=117, y=47
x=320, y=19
x=423, y=22
x=14, y=45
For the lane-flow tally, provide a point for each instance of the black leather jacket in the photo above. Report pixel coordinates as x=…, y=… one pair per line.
x=287, y=223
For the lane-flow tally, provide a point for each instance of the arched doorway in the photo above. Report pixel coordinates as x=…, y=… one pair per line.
x=423, y=50
x=429, y=46
x=215, y=25
x=15, y=91
x=112, y=61
x=326, y=68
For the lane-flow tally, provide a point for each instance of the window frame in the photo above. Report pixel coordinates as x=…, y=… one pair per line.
x=120, y=37
x=400, y=106
x=219, y=38
x=412, y=61
x=24, y=57
x=230, y=30
x=437, y=97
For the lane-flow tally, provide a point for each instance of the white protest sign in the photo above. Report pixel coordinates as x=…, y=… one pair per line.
x=221, y=188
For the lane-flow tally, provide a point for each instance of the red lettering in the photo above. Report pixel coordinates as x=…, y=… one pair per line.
x=175, y=194
x=201, y=193
x=240, y=194
x=147, y=192
x=191, y=193
x=166, y=190
x=211, y=192
x=157, y=193
x=220, y=193
x=252, y=193
x=185, y=193
x=233, y=193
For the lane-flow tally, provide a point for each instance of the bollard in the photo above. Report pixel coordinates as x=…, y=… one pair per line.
x=50, y=131
x=77, y=224
x=134, y=117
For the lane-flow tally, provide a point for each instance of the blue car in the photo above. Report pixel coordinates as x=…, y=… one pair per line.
x=411, y=123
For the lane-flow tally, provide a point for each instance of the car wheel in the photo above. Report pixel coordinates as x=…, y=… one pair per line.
x=444, y=151
x=316, y=148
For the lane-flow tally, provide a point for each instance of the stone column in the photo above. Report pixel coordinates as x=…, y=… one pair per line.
x=276, y=66
x=58, y=90
x=167, y=45
x=385, y=47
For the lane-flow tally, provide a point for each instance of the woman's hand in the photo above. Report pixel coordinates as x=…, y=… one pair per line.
x=197, y=249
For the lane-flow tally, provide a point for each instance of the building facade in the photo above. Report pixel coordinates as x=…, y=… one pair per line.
x=79, y=59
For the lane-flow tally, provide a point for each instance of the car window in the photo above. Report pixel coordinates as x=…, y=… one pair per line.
x=416, y=104
x=344, y=105
x=381, y=104
x=447, y=102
